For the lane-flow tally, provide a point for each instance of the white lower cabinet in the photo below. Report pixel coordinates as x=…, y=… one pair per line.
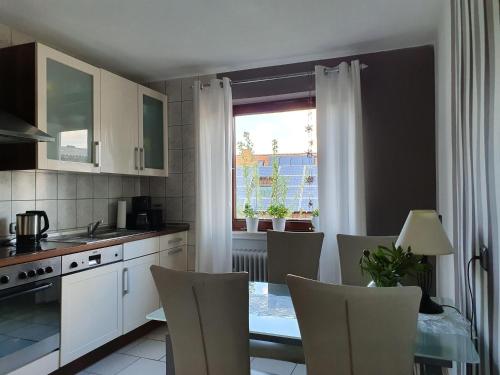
x=174, y=258
x=139, y=291
x=91, y=310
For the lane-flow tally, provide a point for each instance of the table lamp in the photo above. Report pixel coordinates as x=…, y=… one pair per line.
x=424, y=233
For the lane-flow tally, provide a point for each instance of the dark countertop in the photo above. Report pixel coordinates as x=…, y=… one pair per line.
x=70, y=248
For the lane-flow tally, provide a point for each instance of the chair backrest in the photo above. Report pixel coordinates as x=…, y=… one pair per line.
x=295, y=253
x=350, y=330
x=350, y=251
x=207, y=317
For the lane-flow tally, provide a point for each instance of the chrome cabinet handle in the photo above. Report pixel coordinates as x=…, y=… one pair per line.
x=125, y=281
x=175, y=240
x=136, y=157
x=97, y=153
x=175, y=251
x=142, y=157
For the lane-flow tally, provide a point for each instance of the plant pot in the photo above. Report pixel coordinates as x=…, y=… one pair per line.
x=315, y=223
x=252, y=224
x=279, y=224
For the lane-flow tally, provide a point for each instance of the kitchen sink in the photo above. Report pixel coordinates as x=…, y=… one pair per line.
x=100, y=235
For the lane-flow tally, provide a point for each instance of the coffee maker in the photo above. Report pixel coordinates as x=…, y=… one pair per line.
x=143, y=216
x=28, y=229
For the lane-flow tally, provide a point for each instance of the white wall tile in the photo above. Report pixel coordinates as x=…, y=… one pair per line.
x=188, y=160
x=100, y=211
x=175, y=161
x=174, y=185
x=131, y=186
x=5, y=217
x=173, y=89
x=174, y=113
x=50, y=207
x=19, y=207
x=84, y=186
x=46, y=185
x=66, y=214
x=5, y=185
x=23, y=185
x=157, y=186
x=115, y=187
x=173, y=209
x=144, y=181
x=66, y=186
x=187, y=88
x=112, y=210
x=175, y=137
x=187, y=113
x=188, y=209
x=188, y=136
x=100, y=186
x=188, y=184
x=158, y=86
x=84, y=210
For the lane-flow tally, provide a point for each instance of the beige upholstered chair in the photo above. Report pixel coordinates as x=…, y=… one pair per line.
x=350, y=251
x=356, y=330
x=208, y=321
x=293, y=252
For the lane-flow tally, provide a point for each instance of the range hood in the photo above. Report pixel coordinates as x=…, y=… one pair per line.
x=15, y=130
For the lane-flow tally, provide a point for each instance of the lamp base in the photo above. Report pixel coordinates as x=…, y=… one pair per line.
x=428, y=306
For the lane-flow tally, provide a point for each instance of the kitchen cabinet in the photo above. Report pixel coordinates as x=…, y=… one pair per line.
x=140, y=296
x=153, y=137
x=119, y=124
x=173, y=251
x=91, y=310
x=60, y=95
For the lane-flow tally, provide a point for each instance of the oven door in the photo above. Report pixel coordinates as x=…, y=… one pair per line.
x=29, y=322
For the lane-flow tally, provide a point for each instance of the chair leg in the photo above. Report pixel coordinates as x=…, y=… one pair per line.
x=169, y=356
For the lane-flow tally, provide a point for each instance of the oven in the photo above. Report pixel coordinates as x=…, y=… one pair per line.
x=30, y=305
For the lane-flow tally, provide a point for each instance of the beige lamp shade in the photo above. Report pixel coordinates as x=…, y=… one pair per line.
x=424, y=233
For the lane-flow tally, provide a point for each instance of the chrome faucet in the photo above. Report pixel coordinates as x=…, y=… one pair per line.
x=92, y=227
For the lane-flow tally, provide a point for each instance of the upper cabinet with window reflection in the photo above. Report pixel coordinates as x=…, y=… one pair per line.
x=101, y=122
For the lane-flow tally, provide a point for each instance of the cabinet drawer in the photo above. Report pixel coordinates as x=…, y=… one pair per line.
x=174, y=258
x=170, y=241
x=140, y=248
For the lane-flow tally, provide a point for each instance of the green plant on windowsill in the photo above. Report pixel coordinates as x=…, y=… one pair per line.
x=277, y=211
x=249, y=212
x=315, y=212
x=388, y=266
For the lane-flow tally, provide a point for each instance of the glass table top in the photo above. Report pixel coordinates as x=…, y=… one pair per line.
x=444, y=337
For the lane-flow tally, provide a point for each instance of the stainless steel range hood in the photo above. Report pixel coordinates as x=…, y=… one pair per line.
x=15, y=130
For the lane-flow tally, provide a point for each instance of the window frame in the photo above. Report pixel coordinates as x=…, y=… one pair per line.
x=292, y=225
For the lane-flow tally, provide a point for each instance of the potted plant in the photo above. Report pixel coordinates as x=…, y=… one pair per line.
x=315, y=219
x=387, y=266
x=251, y=218
x=278, y=214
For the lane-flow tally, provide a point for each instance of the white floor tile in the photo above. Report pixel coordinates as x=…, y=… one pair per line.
x=163, y=359
x=158, y=333
x=272, y=366
x=128, y=347
x=112, y=364
x=145, y=366
x=151, y=349
x=300, y=370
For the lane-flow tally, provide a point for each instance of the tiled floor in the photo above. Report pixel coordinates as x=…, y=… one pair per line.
x=147, y=356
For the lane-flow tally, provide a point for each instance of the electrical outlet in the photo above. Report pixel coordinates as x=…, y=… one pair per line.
x=484, y=257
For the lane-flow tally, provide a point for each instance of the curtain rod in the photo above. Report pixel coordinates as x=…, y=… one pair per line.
x=284, y=76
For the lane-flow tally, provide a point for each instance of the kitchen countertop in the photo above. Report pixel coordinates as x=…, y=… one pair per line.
x=70, y=248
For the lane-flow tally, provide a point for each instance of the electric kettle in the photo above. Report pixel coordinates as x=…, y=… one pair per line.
x=28, y=227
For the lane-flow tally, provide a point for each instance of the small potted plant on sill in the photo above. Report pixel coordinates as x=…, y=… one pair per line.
x=315, y=219
x=251, y=218
x=278, y=213
x=388, y=266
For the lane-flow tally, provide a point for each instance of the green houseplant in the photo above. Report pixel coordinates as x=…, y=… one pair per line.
x=387, y=266
x=279, y=188
x=315, y=219
x=251, y=218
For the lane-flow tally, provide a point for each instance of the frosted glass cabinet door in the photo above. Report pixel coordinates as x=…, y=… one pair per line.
x=68, y=109
x=153, y=140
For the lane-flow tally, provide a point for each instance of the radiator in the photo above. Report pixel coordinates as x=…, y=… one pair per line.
x=253, y=261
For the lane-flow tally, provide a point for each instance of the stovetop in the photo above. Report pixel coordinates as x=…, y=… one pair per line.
x=10, y=250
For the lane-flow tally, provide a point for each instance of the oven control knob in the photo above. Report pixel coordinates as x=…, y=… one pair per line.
x=4, y=279
x=31, y=273
x=40, y=271
x=23, y=275
x=49, y=269
x=73, y=265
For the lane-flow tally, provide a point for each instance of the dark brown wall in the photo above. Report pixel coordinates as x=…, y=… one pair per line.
x=399, y=127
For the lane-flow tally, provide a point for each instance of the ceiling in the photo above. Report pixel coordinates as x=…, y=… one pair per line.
x=156, y=39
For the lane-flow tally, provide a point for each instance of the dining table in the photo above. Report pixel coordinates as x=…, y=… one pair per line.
x=442, y=339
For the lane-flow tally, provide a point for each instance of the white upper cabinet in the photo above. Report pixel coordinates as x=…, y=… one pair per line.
x=153, y=138
x=119, y=125
x=68, y=108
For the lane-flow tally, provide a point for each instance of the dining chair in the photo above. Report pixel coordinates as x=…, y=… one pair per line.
x=207, y=320
x=295, y=253
x=348, y=330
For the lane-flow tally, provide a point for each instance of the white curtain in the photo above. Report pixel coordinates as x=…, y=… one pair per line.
x=340, y=161
x=213, y=122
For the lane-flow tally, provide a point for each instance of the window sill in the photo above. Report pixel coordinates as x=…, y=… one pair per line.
x=244, y=235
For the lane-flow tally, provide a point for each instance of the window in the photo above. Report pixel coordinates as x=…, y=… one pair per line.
x=275, y=162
